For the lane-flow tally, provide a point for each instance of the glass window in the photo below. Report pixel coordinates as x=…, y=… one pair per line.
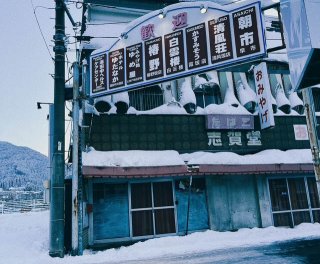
x=141, y=195
x=164, y=221
x=301, y=217
x=162, y=193
x=279, y=195
x=142, y=223
x=283, y=219
x=313, y=191
x=147, y=98
x=298, y=193
x=316, y=216
x=147, y=202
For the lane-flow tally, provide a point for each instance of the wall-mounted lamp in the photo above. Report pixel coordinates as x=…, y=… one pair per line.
x=162, y=14
x=41, y=103
x=203, y=9
x=123, y=35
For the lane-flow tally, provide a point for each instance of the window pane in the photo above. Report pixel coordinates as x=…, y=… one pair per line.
x=162, y=194
x=282, y=219
x=314, y=198
x=298, y=193
x=141, y=195
x=316, y=216
x=279, y=195
x=165, y=221
x=142, y=223
x=301, y=217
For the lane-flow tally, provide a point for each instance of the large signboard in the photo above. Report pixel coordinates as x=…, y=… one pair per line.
x=185, y=42
x=302, y=35
x=245, y=122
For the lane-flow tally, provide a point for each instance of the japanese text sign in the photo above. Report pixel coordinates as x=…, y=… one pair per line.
x=263, y=95
x=183, y=43
x=98, y=81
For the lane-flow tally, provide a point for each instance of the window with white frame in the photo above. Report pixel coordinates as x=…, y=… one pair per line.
x=294, y=200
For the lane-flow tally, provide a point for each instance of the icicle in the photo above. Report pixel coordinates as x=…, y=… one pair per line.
x=295, y=101
x=103, y=104
x=187, y=96
x=121, y=102
x=246, y=95
x=281, y=99
x=229, y=97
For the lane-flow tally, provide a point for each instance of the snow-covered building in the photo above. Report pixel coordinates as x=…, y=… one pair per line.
x=189, y=154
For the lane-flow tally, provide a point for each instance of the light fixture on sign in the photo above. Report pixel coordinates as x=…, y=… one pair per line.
x=123, y=35
x=162, y=14
x=203, y=9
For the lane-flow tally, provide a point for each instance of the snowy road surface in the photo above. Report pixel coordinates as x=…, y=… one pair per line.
x=24, y=239
x=289, y=252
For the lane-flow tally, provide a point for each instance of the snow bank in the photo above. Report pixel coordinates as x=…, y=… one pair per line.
x=25, y=240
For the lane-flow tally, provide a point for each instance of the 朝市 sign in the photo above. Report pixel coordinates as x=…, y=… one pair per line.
x=184, y=42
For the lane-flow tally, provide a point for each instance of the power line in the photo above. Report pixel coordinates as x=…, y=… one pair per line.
x=45, y=42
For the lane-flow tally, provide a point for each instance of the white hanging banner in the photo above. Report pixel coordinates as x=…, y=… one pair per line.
x=263, y=95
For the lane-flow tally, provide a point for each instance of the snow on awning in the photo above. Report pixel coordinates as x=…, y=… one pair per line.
x=145, y=164
x=131, y=158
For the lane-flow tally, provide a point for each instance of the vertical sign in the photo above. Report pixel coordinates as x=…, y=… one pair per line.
x=153, y=58
x=246, y=33
x=134, y=66
x=98, y=72
x=116, y=68
x=196, y=46
x=220, y=39
x=174, y=52
x=263, y=95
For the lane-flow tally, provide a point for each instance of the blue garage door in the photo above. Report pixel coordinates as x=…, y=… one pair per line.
x=110, y=211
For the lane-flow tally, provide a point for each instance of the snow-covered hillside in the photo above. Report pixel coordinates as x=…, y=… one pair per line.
x=22, y=166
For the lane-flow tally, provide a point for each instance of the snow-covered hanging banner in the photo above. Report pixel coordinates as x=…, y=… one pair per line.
x=263, y=95
x=178, y=41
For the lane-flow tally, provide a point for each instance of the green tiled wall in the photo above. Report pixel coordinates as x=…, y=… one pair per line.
x=184, y=133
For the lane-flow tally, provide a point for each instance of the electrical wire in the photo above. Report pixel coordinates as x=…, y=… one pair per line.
x=35, y=15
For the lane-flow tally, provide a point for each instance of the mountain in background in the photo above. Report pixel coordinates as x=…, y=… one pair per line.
x=22, y=167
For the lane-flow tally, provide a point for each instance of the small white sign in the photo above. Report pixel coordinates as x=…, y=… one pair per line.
x=301, y=132
x=263, y=95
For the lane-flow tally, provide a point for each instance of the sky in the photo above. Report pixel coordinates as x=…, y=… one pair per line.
x=25, y=240
x=25, y=71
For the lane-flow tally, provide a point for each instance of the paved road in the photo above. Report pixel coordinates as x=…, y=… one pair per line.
x=293, y=252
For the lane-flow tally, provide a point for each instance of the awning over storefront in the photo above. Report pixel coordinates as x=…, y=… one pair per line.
x=149, y=164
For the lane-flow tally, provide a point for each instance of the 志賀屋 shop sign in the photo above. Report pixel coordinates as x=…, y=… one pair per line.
x=188, y=39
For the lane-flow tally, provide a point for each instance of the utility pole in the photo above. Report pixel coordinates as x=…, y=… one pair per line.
x=75, y=163
x=57, y=177
x=312, y=130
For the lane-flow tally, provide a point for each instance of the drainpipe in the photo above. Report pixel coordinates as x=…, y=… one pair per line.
x=312, y=130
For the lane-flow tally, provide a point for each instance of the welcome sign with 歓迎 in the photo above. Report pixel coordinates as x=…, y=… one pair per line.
x=183, y=43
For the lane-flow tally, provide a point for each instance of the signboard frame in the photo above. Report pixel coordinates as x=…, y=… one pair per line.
x=174, y=9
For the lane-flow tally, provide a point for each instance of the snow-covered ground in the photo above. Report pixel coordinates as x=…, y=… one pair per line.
x=24, y=238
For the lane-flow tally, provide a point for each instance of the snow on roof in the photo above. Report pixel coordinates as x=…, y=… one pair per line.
x=140, y=158
x=271, y=156
x=226, y=108
x=131, y=158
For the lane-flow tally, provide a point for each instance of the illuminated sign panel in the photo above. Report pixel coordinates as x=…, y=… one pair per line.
x=197, y=46
x=183, y=43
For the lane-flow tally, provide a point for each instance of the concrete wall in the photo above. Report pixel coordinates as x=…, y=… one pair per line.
x=233, y=202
